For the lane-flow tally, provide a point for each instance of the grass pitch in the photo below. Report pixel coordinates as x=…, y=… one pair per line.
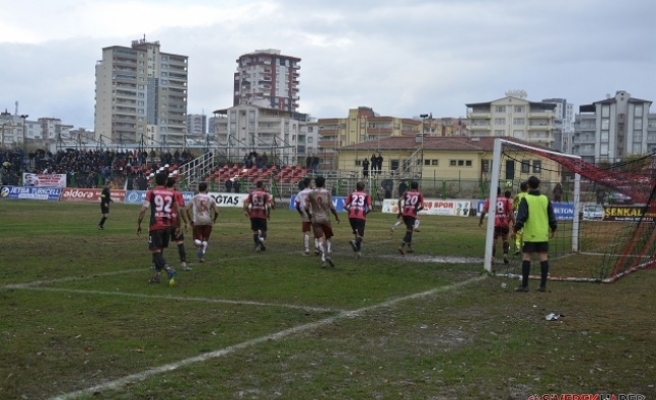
x=78, y=319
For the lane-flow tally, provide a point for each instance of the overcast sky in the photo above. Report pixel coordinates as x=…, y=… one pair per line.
x=402, y=57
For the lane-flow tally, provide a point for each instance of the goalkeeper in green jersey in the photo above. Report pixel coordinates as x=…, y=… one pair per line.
x=520, y=234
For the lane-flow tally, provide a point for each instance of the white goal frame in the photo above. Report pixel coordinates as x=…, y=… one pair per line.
x=494, y=185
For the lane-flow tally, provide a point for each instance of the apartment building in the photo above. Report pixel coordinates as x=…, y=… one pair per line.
x=514, y=116
x=361, y=125
x=268, y=79
x=563, y=124
x=197, y=124
x=245, y=128
x=141, y=95
x=610, y=129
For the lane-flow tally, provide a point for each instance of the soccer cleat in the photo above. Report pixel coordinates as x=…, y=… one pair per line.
x=199, y=253
x=153, y=266
x=410, y=250
x=317, y=252
x=172, y=273
x=330, y=261
x=359, y=254
x=201, y=260
x=354, y=246
x=262, y=247
x=401, y=251
x=306, y=252
x=417, y=230
x=521, y=289
x=542, y=289
x=323, y=264
x=154, y=279
x=185, y=268
x=258, y=248
x=505, y=259
x=517, y=252
x=101, y=227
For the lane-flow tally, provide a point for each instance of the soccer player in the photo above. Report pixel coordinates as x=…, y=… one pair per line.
x=319, y=206
x=105, y=199
x=306, y=225
x=161, y=202
x=536, y=216
x=358, y=205
x=257, y=207
x=523, y=187
x=502, y=217
x=410, y=203
x=177, y=234
x=199, y=212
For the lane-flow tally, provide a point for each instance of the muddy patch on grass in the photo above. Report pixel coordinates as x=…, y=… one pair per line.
x=436, y=259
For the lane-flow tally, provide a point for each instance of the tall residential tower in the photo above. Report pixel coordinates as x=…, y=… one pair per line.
x=268, y=79
x=141, y=95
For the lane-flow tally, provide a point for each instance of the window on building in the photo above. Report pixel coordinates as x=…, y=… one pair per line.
x=637, y=111
x=427, y=162
x=537, y=166
x=526, y=166
x=605, y=111
x=499, y=133
x=435, y=162
x=637, y=136
x=637, y=148
x=453, y=163
x=310, y=140
x=604, y=136
x=605, y=123
x=603, y=149
x=637, y=123
x=519, y=121
x=358, y=163
x=519, y=109
x=518, y=134
x=499, y=121
x=500, y=109
x=468, y=163
x=310, y=129
x=485, y=166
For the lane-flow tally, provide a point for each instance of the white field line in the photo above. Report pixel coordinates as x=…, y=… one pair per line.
x=99, y=274
x=116, y=384
x=181, y=298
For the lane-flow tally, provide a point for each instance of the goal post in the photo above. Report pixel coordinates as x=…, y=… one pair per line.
x=606, y=212
x=513, y=163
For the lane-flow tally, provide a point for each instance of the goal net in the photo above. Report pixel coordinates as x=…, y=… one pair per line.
x=606, y=212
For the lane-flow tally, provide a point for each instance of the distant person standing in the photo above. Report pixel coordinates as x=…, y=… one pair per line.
x=557, y=193
x=236, y=185
x=177, y=235
x=365, y=168
x=379, y=163
x=105, y=199
x=228, y=185
x=536, y=217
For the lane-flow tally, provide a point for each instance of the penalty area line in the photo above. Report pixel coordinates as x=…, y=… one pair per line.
x=182, y=298
x=117, y=383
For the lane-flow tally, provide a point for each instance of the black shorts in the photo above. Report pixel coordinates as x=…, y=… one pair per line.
x=104, y=208
x=174, y=237
x=409, y=222
x=357, y=225
x=501, y=231
x=159, y=239
x=259, y=224
x=535, y=247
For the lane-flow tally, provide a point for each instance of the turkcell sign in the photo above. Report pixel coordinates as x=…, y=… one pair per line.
x=31, y=193
x=338, y=203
